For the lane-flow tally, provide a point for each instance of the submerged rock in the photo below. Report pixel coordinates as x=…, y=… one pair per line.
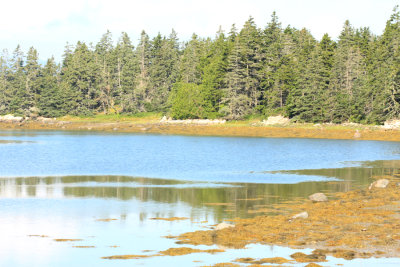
x=381, y=183
x=223, y=226
x=301, y=215
x=318, y=197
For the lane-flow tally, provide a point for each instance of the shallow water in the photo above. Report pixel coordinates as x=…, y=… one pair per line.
x=60, y=184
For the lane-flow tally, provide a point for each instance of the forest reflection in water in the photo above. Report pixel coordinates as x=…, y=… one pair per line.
x=223, y=200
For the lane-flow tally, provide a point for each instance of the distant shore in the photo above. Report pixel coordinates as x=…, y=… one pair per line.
x=233, y=128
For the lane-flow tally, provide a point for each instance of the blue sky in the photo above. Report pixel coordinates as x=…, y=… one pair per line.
x=49, y=24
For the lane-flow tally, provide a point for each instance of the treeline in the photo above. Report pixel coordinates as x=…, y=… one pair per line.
x=254, y=71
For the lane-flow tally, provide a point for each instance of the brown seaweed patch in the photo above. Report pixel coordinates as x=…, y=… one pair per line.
x=312, y=264
x=226, y=264
x=169, y=236
x=168, y=252
x=301, y=257
x=354, y=224
x=126, y=257
x=245, y=260
x=106, y=220
x=42, y=236
x=66, y=240
x=186, y=250
x=219, y=204
x=275, y=260
x=114, y=246
x=170, y=219
x=83, y=246
x=250, y=199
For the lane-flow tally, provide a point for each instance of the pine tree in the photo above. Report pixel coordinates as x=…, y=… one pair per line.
x=106, y=85
x=126, y=71
x=213, y=66
x=79, y=76
x=190, y=63
x=32, y=78
x=236, y=102
x=272, y=94
x=19, y=103
x=347, y=68
x=141, y=93
x=5, y=93
x=51, y=100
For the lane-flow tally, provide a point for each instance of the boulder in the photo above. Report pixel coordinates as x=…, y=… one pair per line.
x=46, y=120
x=164, y=119
x=318, y=197
x=223, y=226
x=11, y=118
x=391, y=124
x=276, y=120
x=381, y=183
x=301, y=215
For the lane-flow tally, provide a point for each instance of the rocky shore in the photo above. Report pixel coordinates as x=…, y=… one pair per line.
x=206, y=128
x=212, y=129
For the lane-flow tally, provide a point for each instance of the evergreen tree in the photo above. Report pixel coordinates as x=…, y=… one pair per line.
x=105, y=60
x=190, y=71
x=79, y=76
x=141, y=93
x=5, y=93
x=346, y=71
x=126, y=70
x=20, y=100
x=51, y=100
x=32, y=78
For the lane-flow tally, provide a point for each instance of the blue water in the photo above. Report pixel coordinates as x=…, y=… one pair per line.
x=223, y=159
x=191, y=172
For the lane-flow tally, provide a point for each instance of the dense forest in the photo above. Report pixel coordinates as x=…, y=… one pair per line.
x=248, y=72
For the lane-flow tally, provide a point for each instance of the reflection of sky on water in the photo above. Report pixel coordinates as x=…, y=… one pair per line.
x=209, y=170
x=212, y=159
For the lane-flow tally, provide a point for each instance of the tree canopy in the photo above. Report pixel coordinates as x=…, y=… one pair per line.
x=251, y=71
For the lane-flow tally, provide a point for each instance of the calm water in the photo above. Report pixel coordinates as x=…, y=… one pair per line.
x=59, y=184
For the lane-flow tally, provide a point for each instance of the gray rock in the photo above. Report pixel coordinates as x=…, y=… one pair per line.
x=301, y=215
x=223, y=226
x=11, y=118
x=381, y=183
x=318, y=197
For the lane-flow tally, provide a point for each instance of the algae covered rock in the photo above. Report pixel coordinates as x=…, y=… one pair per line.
x=301, y=215
x=318, y=197
x=381, y=183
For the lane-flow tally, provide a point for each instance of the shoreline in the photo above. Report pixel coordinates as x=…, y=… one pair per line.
x=235, y=129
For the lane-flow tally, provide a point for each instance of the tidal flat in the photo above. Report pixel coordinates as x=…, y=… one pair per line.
x=74, y=198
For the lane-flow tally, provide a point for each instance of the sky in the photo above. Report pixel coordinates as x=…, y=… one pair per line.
x=48, y=25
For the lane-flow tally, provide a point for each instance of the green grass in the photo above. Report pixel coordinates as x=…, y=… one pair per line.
x=138, y=117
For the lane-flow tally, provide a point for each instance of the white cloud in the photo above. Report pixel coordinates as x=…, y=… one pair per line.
x=48, y=24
